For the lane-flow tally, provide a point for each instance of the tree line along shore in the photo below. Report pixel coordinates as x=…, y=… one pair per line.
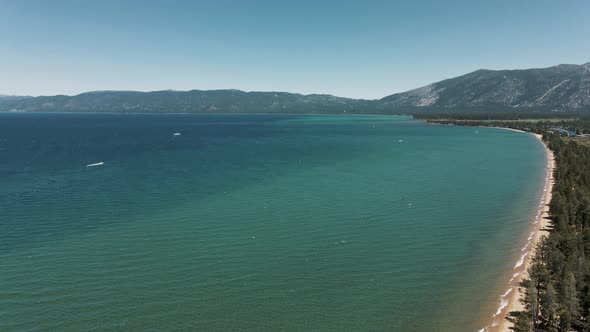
x=556, y=293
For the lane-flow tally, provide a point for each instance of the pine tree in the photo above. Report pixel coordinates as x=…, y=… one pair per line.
x=569, y=302
x=550, y=309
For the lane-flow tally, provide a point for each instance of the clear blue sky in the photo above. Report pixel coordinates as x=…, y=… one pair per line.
x=361, y=49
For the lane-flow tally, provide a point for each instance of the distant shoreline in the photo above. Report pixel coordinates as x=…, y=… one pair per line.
x=209, y=113
x=511, y=129
x=511, y=300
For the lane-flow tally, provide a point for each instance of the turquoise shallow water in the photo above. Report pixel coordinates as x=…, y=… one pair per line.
x=258, y=222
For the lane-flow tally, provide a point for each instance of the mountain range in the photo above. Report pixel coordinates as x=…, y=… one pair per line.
x=557, y=88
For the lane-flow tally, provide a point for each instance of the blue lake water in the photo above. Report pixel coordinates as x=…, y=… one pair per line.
x=258, y=222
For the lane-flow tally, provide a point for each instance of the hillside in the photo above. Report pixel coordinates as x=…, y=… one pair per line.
x=562, y=87
x=194, y=101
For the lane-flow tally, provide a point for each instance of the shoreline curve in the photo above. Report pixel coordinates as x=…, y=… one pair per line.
x=511, y=300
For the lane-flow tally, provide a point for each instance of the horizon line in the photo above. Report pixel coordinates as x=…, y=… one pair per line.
x=587, y=64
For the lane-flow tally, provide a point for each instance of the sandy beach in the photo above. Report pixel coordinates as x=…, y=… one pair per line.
x=510, y=300
x=504, y=128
